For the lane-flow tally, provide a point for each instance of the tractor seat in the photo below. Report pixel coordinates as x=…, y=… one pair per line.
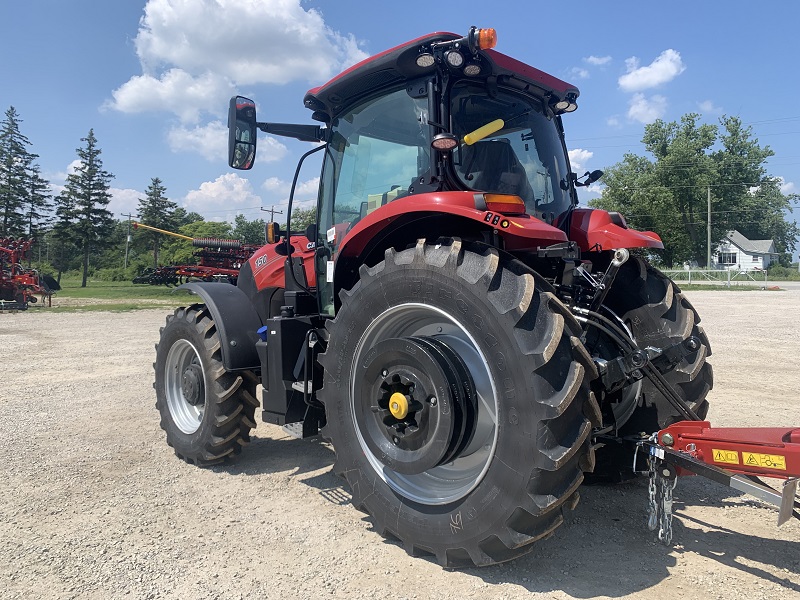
x=494, y=167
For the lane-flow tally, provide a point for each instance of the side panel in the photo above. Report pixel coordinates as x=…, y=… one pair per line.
x=236, y=320
x=594, y=231
x=267, y=263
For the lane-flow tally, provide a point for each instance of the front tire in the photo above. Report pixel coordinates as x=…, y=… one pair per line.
x=206, y=411
x=457, y=400
x=658, y=314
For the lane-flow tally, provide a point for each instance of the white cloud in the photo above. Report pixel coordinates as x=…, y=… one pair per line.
x=223, y=198
x=597, y=60
x=579, y=73
x=666, y=67
x=578, y=158
x=175, y=91
x=211, y=142
x=613, y=121
x=708, y=107
x=194, y=53
x=305, y=196
x=124, y=201
x=596, y=189
x=646, y=110
x=788, y=187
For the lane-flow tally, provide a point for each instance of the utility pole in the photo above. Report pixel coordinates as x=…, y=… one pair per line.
x=272, y=213
x=708, y=232
x=128, y=238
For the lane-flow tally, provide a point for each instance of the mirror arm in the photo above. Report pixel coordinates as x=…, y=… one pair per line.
x=304, y=133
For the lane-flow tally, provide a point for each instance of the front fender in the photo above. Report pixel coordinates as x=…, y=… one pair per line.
x=236, y=320
x=594, y=230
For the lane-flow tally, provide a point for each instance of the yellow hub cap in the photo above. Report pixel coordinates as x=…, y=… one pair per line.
x=398, y=405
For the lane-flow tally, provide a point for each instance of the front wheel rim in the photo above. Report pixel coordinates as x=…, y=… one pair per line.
x=186, y=409
x=456, y=478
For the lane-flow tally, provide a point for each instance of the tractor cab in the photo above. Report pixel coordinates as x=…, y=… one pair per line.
x=441, y=113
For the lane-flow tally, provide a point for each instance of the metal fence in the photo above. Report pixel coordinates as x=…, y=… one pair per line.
x=726, y=277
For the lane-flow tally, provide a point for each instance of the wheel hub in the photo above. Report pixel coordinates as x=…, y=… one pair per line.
x=415, y=403
x=192, y=385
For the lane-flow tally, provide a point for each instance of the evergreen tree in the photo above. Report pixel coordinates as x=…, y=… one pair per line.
x=83, y=218
x=156, y=210
x=24, y=194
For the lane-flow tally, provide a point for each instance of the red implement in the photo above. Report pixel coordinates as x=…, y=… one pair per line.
x=769, y=452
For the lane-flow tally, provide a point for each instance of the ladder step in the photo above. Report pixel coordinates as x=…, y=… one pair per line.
x=298, y=387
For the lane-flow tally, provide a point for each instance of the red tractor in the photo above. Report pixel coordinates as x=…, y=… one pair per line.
x=468, y=339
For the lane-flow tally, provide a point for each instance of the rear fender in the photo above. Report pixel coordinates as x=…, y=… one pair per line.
x=406, y=219
x=236, y=320
x=595, y=230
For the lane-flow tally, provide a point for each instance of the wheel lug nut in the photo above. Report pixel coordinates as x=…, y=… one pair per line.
x=395, y=440
x=384, y=373
x=410, y=389
x=433, y=400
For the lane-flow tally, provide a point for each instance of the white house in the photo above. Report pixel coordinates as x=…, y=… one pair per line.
x=736, y=252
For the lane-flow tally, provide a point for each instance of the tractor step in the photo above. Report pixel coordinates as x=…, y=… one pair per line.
x=302, y=430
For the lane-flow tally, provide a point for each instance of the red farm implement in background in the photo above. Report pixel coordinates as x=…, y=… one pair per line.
x=218, y=260
x=20, y=285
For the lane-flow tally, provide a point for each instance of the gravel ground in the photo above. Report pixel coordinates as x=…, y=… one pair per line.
x=93, y=504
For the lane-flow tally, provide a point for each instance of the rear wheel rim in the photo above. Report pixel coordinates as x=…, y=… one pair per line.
x=455, y=479
x=186, y=412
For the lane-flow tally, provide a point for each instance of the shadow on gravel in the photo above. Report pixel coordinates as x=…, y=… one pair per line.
x=267, y=455
x=603, y=548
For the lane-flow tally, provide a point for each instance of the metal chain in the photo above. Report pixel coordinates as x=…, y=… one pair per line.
x=652, y=509
x=665, y=522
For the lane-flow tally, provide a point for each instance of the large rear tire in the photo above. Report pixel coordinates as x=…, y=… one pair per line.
x=206, y=411
x=457, y=400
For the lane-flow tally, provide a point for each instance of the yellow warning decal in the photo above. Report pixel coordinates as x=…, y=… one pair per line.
x=730, y=457
x=767, y=461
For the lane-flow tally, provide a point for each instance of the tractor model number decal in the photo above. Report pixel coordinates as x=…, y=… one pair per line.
x=730, y=457
x=767, y=461
x=261, y=261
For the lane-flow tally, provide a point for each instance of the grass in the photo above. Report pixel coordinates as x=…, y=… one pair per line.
x=124, y=296
x=116, y=296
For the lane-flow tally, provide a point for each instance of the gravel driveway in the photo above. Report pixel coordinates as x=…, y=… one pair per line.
x=93, y=504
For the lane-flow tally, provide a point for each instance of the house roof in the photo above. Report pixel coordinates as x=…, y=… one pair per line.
x=751, y=246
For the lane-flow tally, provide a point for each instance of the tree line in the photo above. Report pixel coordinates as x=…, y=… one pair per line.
x=666, y=193
x=75, y=231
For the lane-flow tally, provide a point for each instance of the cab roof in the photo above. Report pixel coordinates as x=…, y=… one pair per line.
x=398, y=65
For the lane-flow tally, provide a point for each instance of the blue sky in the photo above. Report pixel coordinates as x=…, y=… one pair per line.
x=152, y=78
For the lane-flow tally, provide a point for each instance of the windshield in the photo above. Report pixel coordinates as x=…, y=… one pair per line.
x=525, y=157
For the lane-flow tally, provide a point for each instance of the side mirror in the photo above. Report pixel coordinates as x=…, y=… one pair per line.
x=242, y=130
x=590, y=178
x=593, y=176
x=272, y=232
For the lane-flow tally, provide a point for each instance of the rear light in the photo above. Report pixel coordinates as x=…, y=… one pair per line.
x=505, y=204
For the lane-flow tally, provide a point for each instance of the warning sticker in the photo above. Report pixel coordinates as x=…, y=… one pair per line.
x=767, y=461
x=730, y=457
